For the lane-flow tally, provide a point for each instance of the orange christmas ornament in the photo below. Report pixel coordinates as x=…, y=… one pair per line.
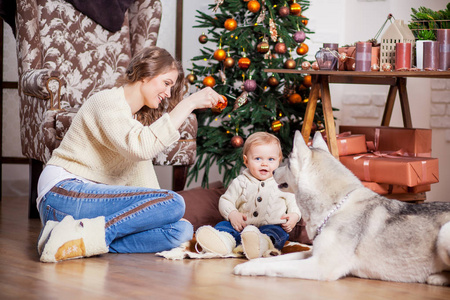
x=244, y=62
x=220, y=54
x=209, y=81
x=221, y=105
x=230, y=24
x=304, y=20
x=295, y=98
x=253, y=6
x=307, y=81
x=302, y=49
x=276, y=125
x=295, y=9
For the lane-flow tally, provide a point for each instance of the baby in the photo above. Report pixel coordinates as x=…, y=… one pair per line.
x=257, y=213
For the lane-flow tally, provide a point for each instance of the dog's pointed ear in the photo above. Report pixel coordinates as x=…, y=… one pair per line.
x=318, y=142
x=299, y=142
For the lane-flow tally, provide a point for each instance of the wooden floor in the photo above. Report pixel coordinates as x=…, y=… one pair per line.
x=145, y=276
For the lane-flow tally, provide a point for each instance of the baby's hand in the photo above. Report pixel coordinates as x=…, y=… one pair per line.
x=291, y=220
x=237, y=220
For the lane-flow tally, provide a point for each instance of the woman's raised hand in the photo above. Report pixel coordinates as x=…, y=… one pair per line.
x=205, y=98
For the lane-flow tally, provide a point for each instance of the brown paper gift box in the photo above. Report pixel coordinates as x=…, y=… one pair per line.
x=386, y=189
x=413, y=141
x=351, y=144
x=402, y=170
x=347, y=64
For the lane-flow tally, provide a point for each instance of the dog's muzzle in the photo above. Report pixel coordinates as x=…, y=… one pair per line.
x=283, y=185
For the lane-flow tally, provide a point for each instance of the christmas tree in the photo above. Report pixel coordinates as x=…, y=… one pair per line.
x=249, y=37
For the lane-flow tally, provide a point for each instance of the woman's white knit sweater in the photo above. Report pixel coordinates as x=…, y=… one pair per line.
x=261, y=201
x=106, y=144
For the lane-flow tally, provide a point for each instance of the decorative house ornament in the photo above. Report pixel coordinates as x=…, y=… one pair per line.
x=397, y=32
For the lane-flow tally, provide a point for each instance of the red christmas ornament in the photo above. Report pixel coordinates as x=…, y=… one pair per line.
x=237, y=141
x=244, y=63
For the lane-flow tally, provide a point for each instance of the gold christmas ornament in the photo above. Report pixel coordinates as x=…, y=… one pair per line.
x=272, y=81
x=191, y=78
x=221, y=105
x=228, y=62
x=263, y=47
x=290, y=64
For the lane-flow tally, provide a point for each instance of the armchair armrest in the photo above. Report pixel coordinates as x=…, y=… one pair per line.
x=34, y=82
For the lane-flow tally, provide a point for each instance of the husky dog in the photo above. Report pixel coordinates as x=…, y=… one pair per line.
x=354, y=230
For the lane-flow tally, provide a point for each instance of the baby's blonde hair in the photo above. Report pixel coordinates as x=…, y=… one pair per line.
x=261, y=138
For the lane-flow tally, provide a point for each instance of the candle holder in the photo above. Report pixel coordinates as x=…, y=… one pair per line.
x=327, y=59
x=363, y=56
x=402, y=56
x=430, y=56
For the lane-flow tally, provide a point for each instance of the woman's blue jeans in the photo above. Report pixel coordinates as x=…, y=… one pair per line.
x=137, y=219
x=275, y=232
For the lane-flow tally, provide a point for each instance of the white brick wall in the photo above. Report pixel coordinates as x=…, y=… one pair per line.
x=440, y=105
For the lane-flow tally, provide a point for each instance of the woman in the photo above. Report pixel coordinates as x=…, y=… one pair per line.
x=99, y=190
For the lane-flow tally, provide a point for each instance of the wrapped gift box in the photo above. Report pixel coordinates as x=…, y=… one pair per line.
x=401, y=170
x=413, y=141
x=349, y=144
x=387, y=189
x=347, y=64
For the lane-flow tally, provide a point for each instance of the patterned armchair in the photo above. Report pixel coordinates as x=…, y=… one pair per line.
x=64, y=57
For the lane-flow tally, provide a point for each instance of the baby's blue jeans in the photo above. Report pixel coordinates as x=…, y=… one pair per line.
x=275, y=232
x=137, y=219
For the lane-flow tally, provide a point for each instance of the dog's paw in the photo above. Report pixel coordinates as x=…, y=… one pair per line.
x=251, y=268
x=438, y=279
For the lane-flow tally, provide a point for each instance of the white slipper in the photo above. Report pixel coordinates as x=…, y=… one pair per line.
x=72, y=239
x=45, y=234
x=215, y=241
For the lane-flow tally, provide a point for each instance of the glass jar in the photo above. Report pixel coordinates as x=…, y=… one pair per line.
x=327, y=59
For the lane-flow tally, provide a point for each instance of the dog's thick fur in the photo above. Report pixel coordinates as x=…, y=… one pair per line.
x=368, y=235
